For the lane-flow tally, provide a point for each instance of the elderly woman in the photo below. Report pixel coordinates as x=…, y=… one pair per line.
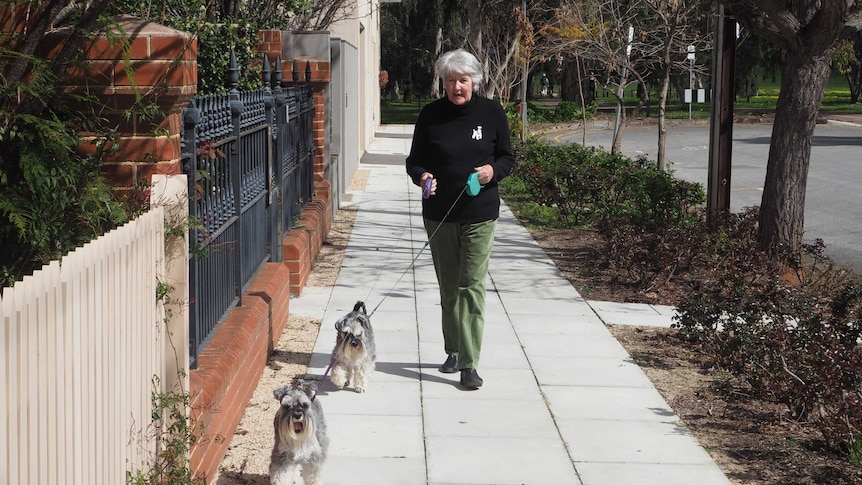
x=456, y=136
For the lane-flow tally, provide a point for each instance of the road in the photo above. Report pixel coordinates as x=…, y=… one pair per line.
x=833, y=207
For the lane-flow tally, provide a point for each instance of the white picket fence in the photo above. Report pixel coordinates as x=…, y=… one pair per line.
x=82, y=339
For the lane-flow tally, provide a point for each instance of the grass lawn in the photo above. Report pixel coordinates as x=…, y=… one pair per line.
x=399, y=112
x=836, y=99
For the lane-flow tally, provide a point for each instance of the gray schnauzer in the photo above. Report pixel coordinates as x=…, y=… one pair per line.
x=354, y=354
x=300, y=436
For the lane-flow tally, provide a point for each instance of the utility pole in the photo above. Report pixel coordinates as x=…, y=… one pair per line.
x=524, y=85
x=721, y=116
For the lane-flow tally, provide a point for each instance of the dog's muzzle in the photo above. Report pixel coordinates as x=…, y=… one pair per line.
x=297, y=420
x=298, y=423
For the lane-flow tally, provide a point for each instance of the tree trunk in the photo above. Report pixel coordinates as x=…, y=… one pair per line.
x=575, y=84
x=855, y=81
x=438, y=47
x=662, y=99
x=854, y=77
x=781, y=220
x=474, y=24
x=617, y=142
x=662, y=118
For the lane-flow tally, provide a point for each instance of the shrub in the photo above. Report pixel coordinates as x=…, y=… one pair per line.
x=571, y=111
x=588, y=185
x=790, y=332
x=650, y=257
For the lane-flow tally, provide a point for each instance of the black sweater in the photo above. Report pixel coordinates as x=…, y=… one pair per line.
x=448, y=142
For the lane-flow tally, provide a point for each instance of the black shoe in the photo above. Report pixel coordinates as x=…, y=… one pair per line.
x=451, y=365
x=470, y=379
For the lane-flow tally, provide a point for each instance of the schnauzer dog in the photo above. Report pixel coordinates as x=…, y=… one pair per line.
x=354, y=354
x=300, y=436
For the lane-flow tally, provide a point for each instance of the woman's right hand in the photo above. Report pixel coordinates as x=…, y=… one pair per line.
x=426, y=176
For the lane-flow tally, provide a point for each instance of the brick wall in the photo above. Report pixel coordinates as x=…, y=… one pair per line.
x=151, y=65
x=232, y=363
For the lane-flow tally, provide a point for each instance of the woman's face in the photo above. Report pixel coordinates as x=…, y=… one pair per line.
x=459, y=88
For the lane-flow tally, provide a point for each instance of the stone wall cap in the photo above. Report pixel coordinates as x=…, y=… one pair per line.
x=135, y=27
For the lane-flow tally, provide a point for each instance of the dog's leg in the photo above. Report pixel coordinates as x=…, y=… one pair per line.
x=283, y=475
x=360, y=378
x=338, y=376
x=311, y=474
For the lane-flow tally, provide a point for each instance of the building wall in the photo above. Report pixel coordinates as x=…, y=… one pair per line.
x=363, y=31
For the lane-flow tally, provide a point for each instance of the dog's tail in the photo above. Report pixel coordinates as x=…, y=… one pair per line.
x=360, y=305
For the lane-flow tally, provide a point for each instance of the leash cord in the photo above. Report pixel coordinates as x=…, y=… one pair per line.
x=323, y=378
x=412, y=263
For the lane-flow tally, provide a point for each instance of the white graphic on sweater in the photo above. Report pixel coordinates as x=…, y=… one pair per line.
x=477, y=133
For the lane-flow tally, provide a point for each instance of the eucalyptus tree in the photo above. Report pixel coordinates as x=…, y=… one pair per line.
x=807, y=32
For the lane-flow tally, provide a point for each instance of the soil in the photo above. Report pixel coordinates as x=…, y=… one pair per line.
x=752, y=440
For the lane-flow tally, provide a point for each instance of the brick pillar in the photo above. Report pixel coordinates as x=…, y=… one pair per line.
x=270, y=43
x=151, y=65
x=313, y=68
x=302, y=245
x=319, y=74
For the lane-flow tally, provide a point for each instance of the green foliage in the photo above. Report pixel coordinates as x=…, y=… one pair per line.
x=216, y=32
x=52, y=198
x=174, y=434
x=844, y=58
x=790, y=333
x=571, y=111
x=589, y=185
x=516, y=126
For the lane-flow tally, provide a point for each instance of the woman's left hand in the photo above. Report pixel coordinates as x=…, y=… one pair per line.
x=486, y=173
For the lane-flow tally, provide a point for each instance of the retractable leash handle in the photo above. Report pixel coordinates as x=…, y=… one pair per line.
x=426, y=189
x=473, y=185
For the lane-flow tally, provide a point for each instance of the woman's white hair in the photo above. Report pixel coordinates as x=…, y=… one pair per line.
x=460, y=61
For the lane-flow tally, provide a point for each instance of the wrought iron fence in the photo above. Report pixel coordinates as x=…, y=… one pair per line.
x=249, y=159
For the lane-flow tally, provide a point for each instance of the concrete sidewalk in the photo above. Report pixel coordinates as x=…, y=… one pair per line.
x=563, y=403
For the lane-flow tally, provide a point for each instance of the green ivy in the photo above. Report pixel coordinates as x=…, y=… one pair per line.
x=217, y=33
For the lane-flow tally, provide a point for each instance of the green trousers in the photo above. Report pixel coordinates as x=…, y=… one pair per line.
x=461, y=253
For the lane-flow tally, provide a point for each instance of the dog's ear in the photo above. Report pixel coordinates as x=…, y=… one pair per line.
x=309, y=387
x=280, y=392
x=339, y=324
x=360, y=305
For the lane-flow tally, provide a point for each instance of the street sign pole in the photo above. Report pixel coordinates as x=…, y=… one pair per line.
x=690, y=79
